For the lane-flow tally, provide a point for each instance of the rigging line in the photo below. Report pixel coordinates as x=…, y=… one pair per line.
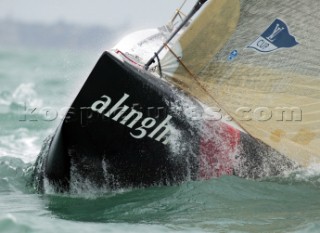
x=196, y=79
x=178, y=11
x=190, y=73
x=194, y=10
x=159, y=64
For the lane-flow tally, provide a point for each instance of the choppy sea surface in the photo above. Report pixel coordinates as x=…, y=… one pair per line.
x=36, y=86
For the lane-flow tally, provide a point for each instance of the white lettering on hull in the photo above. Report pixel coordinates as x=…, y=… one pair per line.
x=161, y=132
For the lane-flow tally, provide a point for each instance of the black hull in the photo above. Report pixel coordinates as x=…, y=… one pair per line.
x=110, y=148
x=89, y=140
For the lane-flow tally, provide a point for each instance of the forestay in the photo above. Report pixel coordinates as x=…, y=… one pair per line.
x=259, y=61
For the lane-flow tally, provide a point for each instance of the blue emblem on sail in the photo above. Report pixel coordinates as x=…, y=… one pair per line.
x=275, y=37
x=233, y=55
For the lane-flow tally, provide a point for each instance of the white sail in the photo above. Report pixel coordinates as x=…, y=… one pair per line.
x=258, y=61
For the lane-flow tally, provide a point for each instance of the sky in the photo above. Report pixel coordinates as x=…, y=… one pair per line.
x=137, y=14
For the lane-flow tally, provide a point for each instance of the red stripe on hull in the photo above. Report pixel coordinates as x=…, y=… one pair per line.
x=218, y=147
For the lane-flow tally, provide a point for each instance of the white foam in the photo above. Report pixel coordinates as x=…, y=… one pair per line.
x=20, y=144
x=25, y=94
x=311, y=173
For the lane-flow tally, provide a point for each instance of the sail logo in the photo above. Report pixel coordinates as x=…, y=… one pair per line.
x=130, y=118
x=233, y=55
x=275, y=37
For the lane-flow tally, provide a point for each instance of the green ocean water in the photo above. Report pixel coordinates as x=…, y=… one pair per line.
x=35, y=88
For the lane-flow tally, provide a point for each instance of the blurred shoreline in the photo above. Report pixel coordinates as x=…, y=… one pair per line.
x=59, y=35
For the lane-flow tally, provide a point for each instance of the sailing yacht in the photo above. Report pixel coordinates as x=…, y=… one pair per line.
x=231, y=89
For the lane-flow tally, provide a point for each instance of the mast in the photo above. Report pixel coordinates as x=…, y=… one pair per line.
x=194, y=10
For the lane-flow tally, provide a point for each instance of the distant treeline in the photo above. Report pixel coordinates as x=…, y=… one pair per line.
x=58, y=35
